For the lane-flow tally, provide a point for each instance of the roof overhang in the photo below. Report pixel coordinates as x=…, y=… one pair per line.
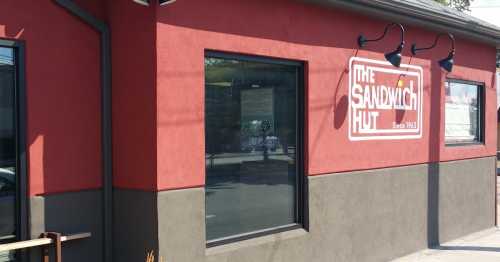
x=418, y=14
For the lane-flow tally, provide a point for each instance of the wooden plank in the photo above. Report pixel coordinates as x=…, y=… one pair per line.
x=40, y=242
x=76, y=236
x=25, y=244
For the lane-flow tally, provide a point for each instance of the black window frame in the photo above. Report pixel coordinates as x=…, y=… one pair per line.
x=498, y=58
x=21, y=153
x=301, y=181
x=481, y=111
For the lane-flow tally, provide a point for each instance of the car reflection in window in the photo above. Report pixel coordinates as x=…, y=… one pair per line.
x=7, y=201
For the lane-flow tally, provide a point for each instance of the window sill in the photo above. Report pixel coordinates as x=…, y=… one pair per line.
x=460, y=144
x=257, y=241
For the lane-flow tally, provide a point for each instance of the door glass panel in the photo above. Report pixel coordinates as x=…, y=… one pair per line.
x=7, y=150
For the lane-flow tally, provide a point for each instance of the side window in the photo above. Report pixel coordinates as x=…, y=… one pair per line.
x=252, y=146
x=8, y=151
x=464, y=112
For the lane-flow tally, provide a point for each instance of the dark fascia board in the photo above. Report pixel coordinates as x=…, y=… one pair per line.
x=76, y=10
x=422, y=16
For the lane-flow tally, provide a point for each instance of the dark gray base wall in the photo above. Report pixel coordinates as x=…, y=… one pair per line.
x=143, y=221
x=135, y=225
x=371, y=215
x=69, y=213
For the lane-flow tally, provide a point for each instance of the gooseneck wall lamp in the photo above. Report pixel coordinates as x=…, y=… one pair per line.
x=393, y=57
x=445, y=63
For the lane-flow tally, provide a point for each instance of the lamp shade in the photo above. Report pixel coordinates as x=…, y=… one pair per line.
x=142, y=2
x=394, y=57
x=447, y=63
x=166, y=2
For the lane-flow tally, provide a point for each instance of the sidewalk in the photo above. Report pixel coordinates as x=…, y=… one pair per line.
x=483, y=246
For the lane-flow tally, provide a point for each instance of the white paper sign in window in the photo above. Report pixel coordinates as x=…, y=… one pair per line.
x=462, y=112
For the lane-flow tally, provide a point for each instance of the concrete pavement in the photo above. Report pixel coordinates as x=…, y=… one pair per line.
x=483, y=246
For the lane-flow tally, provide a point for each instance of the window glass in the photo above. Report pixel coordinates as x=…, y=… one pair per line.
x=498, y=89
x=498, y=58
x=463, y=112
x=250, y=146
x=7, y=151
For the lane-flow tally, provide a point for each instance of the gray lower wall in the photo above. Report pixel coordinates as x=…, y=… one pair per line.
x=463, y=213
x=69, y=213
x=373, y=215
x=183, y=209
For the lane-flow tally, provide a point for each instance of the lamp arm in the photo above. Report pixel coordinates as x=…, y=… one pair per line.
x=414, y=48
x=389, y=26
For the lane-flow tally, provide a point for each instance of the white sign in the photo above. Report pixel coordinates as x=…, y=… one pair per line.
x=385, y=102
x=461, y=112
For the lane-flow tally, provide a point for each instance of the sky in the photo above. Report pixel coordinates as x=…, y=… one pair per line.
x=487, y=10
x=6, y=55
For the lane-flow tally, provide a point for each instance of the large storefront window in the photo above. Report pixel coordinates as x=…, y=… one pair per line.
x=8, y=153
x=463, y=112
x=252, y=114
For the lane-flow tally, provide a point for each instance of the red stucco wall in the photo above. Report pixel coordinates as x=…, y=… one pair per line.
x=134, y=106
x=63, y=95
x=158, y=87
x=325, y=39
x=98, y=8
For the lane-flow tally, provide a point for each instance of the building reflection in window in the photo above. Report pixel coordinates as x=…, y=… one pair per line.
x=251, y=138
x=7, y=151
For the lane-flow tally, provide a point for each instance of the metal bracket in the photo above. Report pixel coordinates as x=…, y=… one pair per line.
x=56, y=237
